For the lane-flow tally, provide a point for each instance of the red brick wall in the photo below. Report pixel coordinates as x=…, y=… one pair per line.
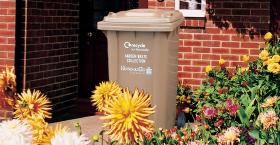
x=7, y=41
x=52, y=50
x=235, y=29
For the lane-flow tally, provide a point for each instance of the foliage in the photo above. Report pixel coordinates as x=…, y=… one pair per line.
x=239, y=105
x=185, y=105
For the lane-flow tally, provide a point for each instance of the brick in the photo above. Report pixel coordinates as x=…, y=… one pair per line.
x=201, y=50
x=210, y=56
x=221, y=37
x=199, y=75
x=220, y=50
x=241, y=12
x=185, y=49
x=231, y=44
x=212, y=30
x=202, y=37
x=7, y=4
x=249, y=45
x=241, y=51
x=192, y=56
x=212, y=43
x=232, y=5
x=184, y=62
x=240, y=38
x=254, y=5
x=184, y=75
x=192, y=81
x=200, y=62
x=192, y=43
x=192, y=69
x=186, y=36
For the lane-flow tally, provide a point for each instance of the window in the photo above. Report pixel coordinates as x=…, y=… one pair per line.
x=191, y=8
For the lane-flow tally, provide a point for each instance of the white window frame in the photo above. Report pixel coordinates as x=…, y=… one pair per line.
x=192, y=13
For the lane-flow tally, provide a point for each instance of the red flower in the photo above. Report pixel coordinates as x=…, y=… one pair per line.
x=219, y=123
x=244, y=84
x=198, y=118
x=221, y=91
x=209, y=112
x=211, y=81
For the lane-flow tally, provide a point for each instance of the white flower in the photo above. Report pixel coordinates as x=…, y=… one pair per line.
x=69, y=138
x=15, y=132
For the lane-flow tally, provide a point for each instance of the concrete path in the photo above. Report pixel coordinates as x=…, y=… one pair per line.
x=90, y=125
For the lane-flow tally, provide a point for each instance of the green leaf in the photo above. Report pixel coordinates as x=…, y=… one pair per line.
x=243, y=116
x=255, y=134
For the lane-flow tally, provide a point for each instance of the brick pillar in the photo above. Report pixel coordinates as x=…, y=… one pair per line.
x=7, y=44
x=234, y=29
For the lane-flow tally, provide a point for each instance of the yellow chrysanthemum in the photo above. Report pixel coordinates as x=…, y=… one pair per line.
x=276, y=58
x=221, y=61
x=268, y=119
x=264, y=55
x=245, y=58
x=32, y=105
x=268, y=61
x=105, y=91
x=268, y=36
x=7, y=86
x=244, y=69
x=273, y=68
x=39, y=128
x=269, y=102
x=208, y=69
x=127, y=115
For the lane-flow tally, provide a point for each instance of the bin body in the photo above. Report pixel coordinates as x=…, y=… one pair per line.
x=144, y=56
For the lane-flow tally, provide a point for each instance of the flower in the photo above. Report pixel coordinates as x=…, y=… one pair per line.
x=51, y=132
x=209, y=112
x=7, y=87
x=127, y=116
x=264, y=55
x=230, y=136
x=95, y=138
x=15, y=132
x=244, y=69
x=269, y=61
x=219, y=123
x=196, y=142
x=245, y=58
x=221, y=61
x=268, y=119
x=276, y=58
x=231, y=107
x=269, y=102
x=69, y=138
x=32, y=104
x=104, y=92
x=273, y=68
x=39, y=128
x=268, y=36
x=208, y=69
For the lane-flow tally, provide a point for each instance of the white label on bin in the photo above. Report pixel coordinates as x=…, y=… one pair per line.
x=137, y=70
x=136, y=58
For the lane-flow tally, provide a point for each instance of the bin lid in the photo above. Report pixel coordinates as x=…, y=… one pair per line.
x=142, y=20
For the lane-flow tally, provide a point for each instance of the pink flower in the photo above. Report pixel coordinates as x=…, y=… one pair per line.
x=219, y=123
x=231, y=107
x=209, y=112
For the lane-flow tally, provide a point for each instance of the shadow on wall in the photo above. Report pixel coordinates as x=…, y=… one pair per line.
x=246, y=17
x=275, y=16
